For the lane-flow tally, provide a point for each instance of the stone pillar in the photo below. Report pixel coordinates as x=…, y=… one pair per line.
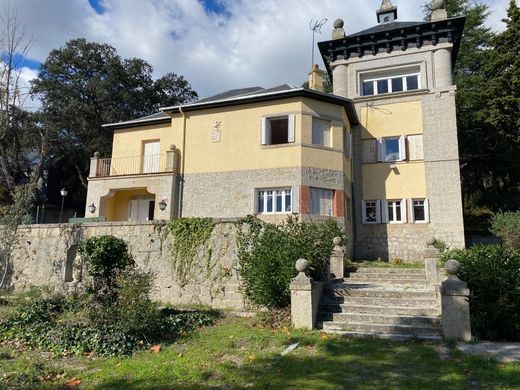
x=455, y=305
x=431, y=263
x=94, y=163
x=443, y=70
x=337, y=259
x=171, y=159
x=340, y=80
x=305, y=298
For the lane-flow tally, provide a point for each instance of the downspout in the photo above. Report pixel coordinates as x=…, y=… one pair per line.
x=183, y=163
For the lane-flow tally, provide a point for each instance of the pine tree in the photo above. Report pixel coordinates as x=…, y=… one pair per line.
x=501, y=115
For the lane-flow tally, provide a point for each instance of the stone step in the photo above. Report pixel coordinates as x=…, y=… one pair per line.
x=378, y=309
x=385, y=276
x=393, y=336
x=390, y=271
x=374, y=329
x=377, y=301
x=347, y=318
x=388, y=280
x=374, y=292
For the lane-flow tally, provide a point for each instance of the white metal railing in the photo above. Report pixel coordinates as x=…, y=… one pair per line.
x=132, y=165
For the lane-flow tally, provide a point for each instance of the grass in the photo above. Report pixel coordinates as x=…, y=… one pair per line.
x=386, y=264
x=233, y=354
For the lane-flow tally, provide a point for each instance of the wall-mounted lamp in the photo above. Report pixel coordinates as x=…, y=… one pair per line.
x=162, y=205
x=92, y=208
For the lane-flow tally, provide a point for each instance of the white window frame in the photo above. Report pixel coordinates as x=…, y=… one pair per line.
x=381, y=148
x=347, y=143
x=378, y=211
x=326, y=136
x=394, y=202
x=272, y=192
x=426, y=206
x=265, y=128
x=389, y=83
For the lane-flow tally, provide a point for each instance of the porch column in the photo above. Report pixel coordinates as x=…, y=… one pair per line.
x=94, y=163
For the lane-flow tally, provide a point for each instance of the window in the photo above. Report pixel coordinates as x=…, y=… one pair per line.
x=390, y=84
x=395, y=211
x=321, y=201
x=371, y=211
x=277, y=130
x=391, y=149
x=275, y=201
x=420, y=212
x=320, y=132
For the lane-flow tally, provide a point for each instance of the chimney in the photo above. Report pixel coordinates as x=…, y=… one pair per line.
x=316, y=79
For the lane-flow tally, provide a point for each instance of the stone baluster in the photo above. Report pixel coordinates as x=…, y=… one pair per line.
x=455, y=305
x=431, y=263
x=305, y=297
x=337, y=259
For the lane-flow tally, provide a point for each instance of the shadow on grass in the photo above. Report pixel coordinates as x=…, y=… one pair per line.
x=341, y=364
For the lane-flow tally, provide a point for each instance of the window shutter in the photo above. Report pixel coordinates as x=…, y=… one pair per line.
x=254, y=194
x=384, y=213
x=378, y=211
x=404, y=210
x=411, y=213
x=426, y=210
x=415, y=147
x=291, y=130
x=380, y=149
x=295, y=199
x=264, y=137
x=402, y=148
x=369, y=150
x=364, y=211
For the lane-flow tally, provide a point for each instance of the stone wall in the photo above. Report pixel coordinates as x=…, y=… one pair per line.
x=43, y=251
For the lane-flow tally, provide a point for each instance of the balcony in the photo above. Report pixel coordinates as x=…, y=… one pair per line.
x=137, y=165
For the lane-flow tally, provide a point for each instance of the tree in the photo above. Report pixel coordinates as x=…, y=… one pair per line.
x=84, y=85
x=501, y=115
x=14, y=46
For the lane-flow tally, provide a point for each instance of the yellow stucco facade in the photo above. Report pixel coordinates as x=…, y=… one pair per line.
x=407, y=179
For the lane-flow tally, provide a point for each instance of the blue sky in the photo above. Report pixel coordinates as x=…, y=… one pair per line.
x=216, y=44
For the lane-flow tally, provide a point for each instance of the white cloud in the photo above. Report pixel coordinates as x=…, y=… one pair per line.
x=27, y=74
x=262, y=42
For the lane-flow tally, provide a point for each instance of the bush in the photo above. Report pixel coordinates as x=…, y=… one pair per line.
x=268, y=253
x=106, y=256
x=493, y=277
x=507, y=227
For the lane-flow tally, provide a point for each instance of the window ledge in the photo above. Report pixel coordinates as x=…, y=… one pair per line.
x=278, y=146
x=321, y=147
x=394, y=162
x=392, y=95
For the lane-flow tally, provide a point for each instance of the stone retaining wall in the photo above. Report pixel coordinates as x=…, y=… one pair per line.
x=45, y=253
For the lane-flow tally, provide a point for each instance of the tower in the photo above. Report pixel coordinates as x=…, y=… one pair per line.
x=406, y=162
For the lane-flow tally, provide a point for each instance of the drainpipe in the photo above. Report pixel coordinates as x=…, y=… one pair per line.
x=183, y=162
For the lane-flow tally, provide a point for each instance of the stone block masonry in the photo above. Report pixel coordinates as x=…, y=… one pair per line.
x=44, y=252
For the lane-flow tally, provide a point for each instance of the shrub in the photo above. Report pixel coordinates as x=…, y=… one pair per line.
x=507, y=227
x=106, y=257
x=493, y=277
x=268, y=252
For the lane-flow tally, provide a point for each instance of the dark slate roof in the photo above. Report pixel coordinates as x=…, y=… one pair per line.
x=385, y=27
x=231, y=93
x=158, y=117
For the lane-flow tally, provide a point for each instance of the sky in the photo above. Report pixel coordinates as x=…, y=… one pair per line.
x=216, y=45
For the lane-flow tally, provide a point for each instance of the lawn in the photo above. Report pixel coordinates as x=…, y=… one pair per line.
x=235, y=354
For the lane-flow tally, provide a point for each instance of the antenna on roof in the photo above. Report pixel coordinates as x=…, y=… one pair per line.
x=315, y=27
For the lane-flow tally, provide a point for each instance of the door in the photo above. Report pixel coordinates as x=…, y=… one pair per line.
x=141, y=210
x=151, y=156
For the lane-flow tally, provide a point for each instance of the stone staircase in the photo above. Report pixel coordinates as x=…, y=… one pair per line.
x=382, y=302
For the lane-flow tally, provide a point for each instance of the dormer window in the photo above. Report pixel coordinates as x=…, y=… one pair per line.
x=391, y=82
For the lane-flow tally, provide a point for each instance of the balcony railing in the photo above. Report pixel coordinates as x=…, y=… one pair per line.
x=139, y=165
